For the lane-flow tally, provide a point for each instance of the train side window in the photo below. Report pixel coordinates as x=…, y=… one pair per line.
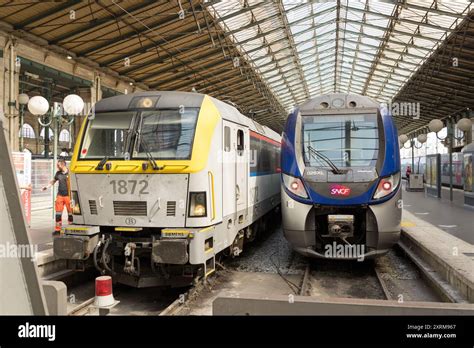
x=226, y=139
x=240, y=142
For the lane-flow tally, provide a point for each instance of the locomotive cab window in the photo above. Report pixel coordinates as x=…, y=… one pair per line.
x=166, y=134
x=240, y=142
x=106, y=135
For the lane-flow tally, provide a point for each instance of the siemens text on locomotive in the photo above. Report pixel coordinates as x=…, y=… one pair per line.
x=164, y=181
x=341, y=178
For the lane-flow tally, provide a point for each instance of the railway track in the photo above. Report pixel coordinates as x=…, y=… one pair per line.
x=385, y=277
x=306, y=281
x=379, y=274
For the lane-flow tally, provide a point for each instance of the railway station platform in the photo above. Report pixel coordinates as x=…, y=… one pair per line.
x=451, y=217
x=444, y=256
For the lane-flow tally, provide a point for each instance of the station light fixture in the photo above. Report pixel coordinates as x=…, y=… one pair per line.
x=38, y=105
x=23, y=99
x=435, y=125
x=422, y=138
x=402, y=139
x=73, y=104
x=464, y=124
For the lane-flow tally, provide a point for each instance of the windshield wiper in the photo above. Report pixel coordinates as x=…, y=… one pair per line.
x=315, y=152
x=149, y=156
x=103, y=161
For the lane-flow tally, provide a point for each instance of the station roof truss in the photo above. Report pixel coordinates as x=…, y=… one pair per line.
x=268, y=56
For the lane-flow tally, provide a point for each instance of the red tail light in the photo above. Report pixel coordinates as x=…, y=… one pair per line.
x=387, y=185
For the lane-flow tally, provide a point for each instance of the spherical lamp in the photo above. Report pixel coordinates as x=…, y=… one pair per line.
x=403, y=138
x=38, y=105
x=435, y=125
x=422, y=138
x=464, y=124
x=23, y=99
x=73, y=104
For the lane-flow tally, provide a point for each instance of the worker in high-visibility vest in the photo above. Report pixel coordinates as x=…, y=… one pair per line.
x=62, y=198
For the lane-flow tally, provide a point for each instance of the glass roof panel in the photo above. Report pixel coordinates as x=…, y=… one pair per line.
x=303, y=49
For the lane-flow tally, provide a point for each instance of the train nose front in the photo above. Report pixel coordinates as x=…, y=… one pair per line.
x=340, y=209
x=140, y=200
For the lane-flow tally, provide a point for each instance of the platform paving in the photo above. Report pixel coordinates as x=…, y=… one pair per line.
x=451, y=257
x=451, y=217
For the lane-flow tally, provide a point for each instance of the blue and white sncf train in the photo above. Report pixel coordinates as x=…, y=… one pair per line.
x=340, y=165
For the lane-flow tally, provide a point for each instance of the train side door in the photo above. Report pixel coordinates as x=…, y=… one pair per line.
x=241, y=168
x=228, y=170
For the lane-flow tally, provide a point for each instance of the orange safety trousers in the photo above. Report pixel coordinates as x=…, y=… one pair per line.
x=59, y=204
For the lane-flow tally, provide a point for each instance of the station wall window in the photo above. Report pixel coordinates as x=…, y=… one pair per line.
x=51, y=133
x=226, y=139
x=64, y=135
x=27, y=131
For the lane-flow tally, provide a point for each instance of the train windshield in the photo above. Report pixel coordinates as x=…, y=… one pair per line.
x=167, y=133
x=106, y=135
x=346, y=140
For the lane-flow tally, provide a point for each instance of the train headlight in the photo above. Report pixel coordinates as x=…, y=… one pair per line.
x=197, y=204
x=387, y=185
x=143, y=102
x=294, y=185
x=199, y=210
x=76, y=207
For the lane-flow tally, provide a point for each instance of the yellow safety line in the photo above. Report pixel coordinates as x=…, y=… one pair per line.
x=206, y=229
x=408, y=224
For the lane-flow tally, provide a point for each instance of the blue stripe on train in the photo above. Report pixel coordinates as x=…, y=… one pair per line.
x=261, y=173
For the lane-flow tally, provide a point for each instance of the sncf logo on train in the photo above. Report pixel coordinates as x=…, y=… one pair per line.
x=339, y=190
